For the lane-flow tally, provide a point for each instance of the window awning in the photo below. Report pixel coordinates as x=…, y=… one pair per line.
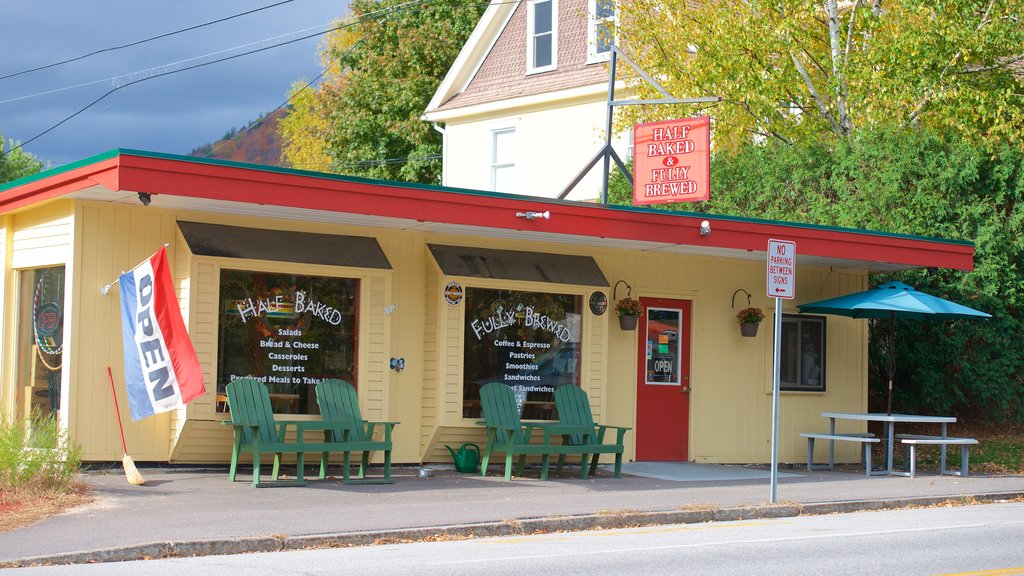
x=516, y=265
x=283, y=246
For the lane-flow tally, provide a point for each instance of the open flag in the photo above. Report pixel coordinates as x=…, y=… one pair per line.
x=160, y=365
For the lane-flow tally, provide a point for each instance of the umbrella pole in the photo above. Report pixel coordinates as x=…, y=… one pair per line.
x=892, y=358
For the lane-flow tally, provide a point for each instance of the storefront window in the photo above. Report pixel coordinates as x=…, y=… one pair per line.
x=803, y=353
x=288, y=331
x=530, y=341
x=40, y=340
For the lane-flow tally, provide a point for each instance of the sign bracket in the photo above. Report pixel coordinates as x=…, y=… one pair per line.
x=607, y=152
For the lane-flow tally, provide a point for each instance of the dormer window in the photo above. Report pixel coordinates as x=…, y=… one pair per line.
x=601, y=30
x=541, y=36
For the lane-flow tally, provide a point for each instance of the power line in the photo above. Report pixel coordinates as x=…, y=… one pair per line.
x=285, y=103
x=368, y=16
x=163, y=66
x=137, y=42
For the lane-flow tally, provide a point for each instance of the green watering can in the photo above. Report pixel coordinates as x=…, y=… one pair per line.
x=466, y=460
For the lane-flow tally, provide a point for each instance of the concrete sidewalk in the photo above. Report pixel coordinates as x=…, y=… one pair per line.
x=196, y=511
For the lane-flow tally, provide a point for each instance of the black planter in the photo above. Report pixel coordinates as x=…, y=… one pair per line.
x=748, y=329
x=628, y=322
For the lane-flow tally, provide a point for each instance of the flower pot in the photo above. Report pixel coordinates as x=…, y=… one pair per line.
x=748, y=329
x=628, y=322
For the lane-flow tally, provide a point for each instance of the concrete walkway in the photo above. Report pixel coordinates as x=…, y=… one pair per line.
x=195, y=511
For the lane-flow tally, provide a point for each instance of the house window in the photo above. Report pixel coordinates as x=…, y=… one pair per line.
x=288, y=331
x=803, y=353
x=541, y=36
x=529, y=341
x=600, y=33
x=503, y=160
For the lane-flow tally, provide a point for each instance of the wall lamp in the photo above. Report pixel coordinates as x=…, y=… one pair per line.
x=531, y=215
x=145, y=198
x=705, y=228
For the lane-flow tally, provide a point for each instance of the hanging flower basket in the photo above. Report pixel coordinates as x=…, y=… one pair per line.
x=628, y=322
x=629, y=311
x=749, y=319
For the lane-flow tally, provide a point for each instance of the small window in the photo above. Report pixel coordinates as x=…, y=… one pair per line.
x=601, y=31
x=503, y=160
x=541, y=36
x=803, y=353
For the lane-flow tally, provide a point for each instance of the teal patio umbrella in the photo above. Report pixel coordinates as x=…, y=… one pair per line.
x=892, y=300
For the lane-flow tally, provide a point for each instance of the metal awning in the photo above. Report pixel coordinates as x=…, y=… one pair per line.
x=283, y=246
x=516, y=265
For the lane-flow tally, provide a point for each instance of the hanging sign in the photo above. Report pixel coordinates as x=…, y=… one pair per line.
x=672, y=161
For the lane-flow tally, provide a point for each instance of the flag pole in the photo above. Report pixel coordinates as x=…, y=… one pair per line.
x=105, y=289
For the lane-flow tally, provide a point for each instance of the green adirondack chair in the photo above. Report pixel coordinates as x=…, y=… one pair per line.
x=505, y=433
x=258, y=432
x=574, y=408
x=339, y=403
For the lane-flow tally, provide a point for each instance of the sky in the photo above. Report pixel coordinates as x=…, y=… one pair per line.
x=173, y=113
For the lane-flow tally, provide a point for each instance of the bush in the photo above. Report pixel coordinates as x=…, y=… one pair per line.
x=36, y=454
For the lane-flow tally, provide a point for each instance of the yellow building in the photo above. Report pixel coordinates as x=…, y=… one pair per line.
x=420, y=294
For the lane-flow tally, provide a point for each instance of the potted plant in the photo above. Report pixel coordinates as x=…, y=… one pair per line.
x=749, y=318
x=629, y=311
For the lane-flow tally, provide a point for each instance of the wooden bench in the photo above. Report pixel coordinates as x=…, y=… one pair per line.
x=912, y=441
x=865, y=438
x=506, y=433
x=257, y=431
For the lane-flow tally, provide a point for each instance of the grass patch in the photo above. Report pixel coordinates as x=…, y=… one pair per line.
x=37, y=471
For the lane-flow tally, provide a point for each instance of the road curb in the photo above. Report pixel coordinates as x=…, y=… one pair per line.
x=510, y=527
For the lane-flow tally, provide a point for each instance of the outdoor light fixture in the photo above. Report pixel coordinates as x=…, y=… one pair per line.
x=145, y=198
x=531, y=215
x=705, y=228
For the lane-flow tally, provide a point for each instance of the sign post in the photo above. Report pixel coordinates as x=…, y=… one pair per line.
x=781, y=267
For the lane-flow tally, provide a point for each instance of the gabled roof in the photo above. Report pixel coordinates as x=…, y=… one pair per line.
x=218, y=186
x=492, y=65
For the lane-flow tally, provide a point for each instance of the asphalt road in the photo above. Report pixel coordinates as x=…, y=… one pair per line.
x=948, y=540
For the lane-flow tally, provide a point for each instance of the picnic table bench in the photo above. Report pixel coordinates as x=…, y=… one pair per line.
x=865, y=438
x=911, y=441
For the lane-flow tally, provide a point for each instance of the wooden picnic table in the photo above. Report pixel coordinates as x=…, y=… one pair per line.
x=890, y=421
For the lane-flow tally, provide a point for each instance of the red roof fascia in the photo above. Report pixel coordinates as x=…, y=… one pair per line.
x=103, y=172
x=158, y=175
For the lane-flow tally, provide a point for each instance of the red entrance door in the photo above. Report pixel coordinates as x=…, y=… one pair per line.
x=663, y=381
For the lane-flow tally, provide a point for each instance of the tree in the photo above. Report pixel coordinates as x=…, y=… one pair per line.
x=789, y=69
x=15, y=162
x=380, y=73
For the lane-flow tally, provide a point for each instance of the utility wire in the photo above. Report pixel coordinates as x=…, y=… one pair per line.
x=156, y=69
x=368, y=16
x=283, y=104
x=137, y=42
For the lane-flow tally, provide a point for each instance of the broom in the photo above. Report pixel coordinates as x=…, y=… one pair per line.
x=130, y=471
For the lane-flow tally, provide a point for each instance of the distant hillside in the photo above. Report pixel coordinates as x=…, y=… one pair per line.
x=257, y=143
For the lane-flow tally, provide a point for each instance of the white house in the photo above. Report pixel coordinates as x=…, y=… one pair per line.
x=523, y=108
